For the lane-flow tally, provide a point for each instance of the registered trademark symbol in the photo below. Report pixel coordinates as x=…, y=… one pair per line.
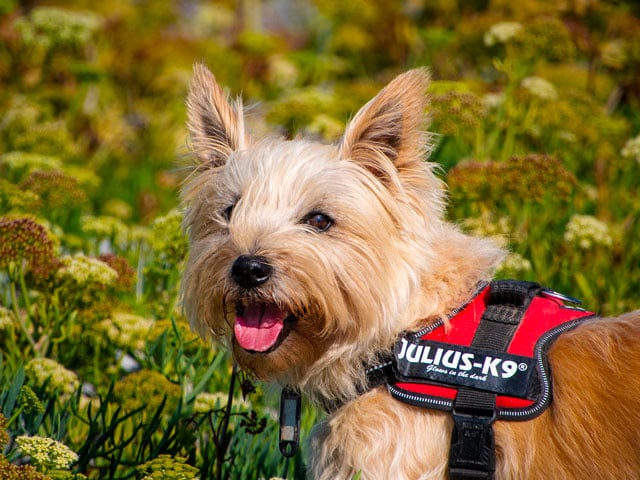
x=523, y=366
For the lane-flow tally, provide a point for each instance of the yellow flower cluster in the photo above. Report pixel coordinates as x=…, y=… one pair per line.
x=168, y=467
x=4, y=436
x=207, y=402
x=85, y=270
x=115, y=207
x=105, y=227
x=167, y=237
x=46, y=138
x=51, y=27
x=22, y=163
x=6, y=322
x=148, y=389
x=15, y=199
x=45, y=372
x=30, y=401
x=126, y=330
x=47, y=452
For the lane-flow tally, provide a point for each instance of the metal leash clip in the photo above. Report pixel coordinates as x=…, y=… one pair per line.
x=290, y=406
x=559, y=296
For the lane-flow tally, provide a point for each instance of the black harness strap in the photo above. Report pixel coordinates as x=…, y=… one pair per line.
x=472, y=453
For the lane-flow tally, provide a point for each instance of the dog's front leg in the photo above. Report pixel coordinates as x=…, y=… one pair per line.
x=381, y=438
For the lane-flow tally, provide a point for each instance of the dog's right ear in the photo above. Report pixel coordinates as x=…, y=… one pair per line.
x=216, y=125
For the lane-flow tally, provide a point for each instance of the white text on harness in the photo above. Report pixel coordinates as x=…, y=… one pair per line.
x=458, y=360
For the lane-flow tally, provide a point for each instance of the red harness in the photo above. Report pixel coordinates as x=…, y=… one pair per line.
x=487, y=362
x=431, y=365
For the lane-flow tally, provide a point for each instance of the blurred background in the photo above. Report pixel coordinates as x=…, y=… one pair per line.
x=535, y=107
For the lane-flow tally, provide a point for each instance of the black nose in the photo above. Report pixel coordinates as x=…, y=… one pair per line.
x=249, y=272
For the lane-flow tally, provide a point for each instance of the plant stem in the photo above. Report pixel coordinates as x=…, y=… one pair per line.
x=16, y=311
x=23, y=289
x=224, y=435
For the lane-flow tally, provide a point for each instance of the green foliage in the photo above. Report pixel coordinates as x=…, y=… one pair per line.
x=535, y=107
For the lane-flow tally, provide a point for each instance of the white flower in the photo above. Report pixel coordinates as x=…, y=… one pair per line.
x=586, y=232
x=514, y=263
x=501, y=33
x=498, y=229
x=539, y=87
x=492, y=101
x=631, y=149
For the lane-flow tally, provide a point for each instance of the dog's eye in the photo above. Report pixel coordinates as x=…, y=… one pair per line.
x=318, y=221
x=226, y=213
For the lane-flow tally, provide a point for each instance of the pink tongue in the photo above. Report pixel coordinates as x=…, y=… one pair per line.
x=259, y=326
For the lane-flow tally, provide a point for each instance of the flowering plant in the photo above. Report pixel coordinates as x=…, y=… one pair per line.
x=536, y=125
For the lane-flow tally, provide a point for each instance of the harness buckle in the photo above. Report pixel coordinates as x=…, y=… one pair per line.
x=472, y=453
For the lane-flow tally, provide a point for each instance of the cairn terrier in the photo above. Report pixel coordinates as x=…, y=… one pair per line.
x=310, y=260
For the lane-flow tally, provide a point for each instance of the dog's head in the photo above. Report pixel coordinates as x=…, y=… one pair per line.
x=303, y=253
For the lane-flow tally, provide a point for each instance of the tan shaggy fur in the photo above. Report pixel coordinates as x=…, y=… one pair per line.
x=388, y=262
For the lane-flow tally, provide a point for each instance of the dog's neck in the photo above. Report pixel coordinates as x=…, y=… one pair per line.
x=460, y=262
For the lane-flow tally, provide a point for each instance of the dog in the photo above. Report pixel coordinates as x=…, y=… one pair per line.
x=310, y=259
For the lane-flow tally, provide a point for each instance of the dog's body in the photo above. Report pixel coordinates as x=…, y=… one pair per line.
x=310, y=259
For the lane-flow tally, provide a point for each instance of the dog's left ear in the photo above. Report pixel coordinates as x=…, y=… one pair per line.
x=390, y=130
x=216, y=125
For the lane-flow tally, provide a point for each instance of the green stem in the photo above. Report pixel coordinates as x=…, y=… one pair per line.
x=140, y=274
x=225, y=435
x=175, y=298
x=507, y=146
x=479, y=147
x=16, y=311
x=15, y=414
x=23, y=288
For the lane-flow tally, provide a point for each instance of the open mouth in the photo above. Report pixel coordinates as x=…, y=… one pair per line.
x=261, y=327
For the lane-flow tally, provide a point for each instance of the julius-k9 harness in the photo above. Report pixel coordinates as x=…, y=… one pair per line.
x=488, y=362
